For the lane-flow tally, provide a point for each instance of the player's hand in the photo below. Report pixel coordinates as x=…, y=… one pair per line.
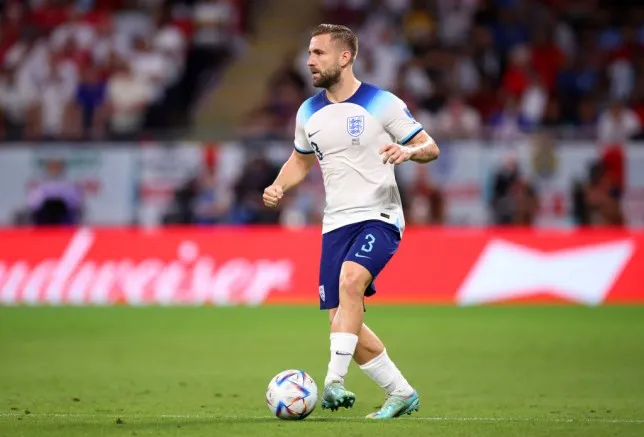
x=272, y=196
x=395, y=154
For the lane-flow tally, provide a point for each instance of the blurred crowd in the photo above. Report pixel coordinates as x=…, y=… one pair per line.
x=110, y=69
x=497, y=69
x=501, y=71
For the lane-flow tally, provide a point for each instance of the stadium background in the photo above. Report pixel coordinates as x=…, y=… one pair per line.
x=136, y=138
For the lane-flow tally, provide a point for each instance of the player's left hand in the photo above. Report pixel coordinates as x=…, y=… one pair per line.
x=395, y=154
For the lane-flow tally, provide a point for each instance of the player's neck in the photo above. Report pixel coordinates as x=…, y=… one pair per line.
x=343, y=90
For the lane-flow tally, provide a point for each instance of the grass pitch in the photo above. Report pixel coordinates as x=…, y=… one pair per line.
x=487, y=371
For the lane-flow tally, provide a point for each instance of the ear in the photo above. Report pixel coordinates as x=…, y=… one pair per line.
x=345, y=58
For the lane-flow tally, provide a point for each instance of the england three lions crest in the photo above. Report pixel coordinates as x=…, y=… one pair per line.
x=355, y=125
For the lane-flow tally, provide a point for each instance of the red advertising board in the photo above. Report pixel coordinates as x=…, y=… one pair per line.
x=252, y=266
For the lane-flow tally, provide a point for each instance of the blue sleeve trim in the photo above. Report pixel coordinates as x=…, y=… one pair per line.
x=305, y=152
x=409, y=137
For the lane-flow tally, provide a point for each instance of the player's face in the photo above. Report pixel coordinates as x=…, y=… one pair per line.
x=324, y=61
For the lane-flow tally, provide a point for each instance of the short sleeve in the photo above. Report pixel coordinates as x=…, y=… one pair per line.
x=301, y=143
x=397, y=119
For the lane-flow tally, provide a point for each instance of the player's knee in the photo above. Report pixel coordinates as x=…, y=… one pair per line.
x=352, y=284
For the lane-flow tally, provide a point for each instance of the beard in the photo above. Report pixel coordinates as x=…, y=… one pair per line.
x=328, y=78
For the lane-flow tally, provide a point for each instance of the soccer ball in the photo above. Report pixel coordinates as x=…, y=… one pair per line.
x=292, y=395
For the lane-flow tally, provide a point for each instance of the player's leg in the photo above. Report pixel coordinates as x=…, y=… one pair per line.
x=372, y=246
x=335, y=247
x=345, y=328
x=369, y=345
x=348, y=319
x=401, y=397
x=372, y=358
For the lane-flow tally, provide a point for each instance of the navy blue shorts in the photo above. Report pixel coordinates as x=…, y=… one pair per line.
x=371, y=244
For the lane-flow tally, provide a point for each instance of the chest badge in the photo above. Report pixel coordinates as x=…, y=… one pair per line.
x=355, y=125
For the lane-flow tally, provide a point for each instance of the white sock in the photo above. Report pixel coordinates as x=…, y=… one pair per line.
x=385, y=373
x=343, y=345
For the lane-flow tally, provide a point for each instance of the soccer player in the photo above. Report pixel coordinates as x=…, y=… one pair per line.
x=358, y=133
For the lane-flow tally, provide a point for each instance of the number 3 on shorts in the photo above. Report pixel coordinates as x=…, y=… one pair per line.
x=369, y=246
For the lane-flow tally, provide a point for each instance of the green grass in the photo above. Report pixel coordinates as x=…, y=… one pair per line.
x=493, y=371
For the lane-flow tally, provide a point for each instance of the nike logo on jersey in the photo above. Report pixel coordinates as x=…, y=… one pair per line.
x=310, y=135
x=343, y=353
x=360, y=256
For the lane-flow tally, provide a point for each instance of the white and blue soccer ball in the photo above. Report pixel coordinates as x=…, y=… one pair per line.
x=292, y=395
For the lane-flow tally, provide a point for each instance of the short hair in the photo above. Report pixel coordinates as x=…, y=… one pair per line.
x=341, y=34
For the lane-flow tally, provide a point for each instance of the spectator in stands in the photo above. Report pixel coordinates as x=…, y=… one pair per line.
x=181, y=208
x=621, y=74
x=214, y=26
x=424, y=201
x=485, y=58
x=412, y=80
x=201, y=200
x=54, y=104
x=486, y=100
x=55, y=200
x=75, y=30
x=597, y=200
x=509, y=124
x=89, y=106
x=546, y=57
x=457, y=120
x=518, y=74
x=617, y=123
x=464, y=76
x=585, y=119
x=109, y=44
x=380, y=59
x=17, y=106
x=418, y=26
x=578, y=79
x=510, y=30
x=247, y=206
x=128, y=96
x=150, y=66
x=170, y=42
x=212, y=201
x=534, y=100
x=514, y=201
x=526, y=203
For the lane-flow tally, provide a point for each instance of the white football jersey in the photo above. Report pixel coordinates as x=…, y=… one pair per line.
x=346, y=138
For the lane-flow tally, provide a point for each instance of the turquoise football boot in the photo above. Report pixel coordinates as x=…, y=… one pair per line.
x=336, y=396
x=396, y=406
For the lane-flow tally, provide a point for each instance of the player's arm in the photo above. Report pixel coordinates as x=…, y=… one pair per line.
x=413, y=143
x=295, y=168
x=421, y=148
x=292, y=173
